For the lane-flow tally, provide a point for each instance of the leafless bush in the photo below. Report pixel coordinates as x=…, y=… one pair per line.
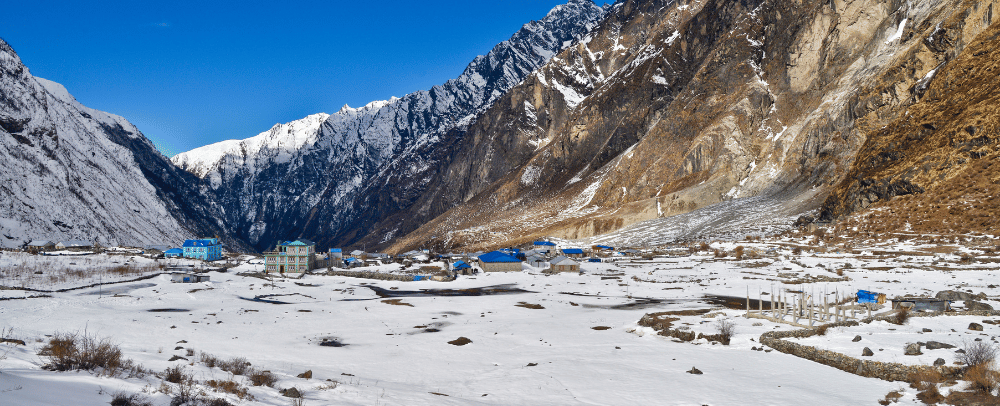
x=209, y=360
x=981, y=378
x=235, y=366
x=726, y=329
x=821, y=330
x=175, y=374
x=230, y=386
x=123, y=398
x=262, y=378
x=976, y=353
x=902, y=316
x=68, y=352
x=738, y=253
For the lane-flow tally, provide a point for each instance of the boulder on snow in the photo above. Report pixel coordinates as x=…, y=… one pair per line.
x=867, y=352
x=912, y=349
x=306, y=375
x=695, y=371
x=975, y=327
x=292, y=392
x=934, y=345
x=856, y=339
x=939, y=362
x=954, y=295
x=976, y=306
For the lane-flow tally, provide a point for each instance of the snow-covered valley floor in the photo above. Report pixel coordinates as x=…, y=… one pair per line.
x=398, y=352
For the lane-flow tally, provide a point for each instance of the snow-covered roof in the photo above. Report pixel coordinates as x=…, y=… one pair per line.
x=561, y=260
x=75, y=243
x=40, y=243
x=545, y=243
x=357, y=252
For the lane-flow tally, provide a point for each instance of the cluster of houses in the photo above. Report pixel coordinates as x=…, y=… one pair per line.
x=544, y=255
x=206, y=249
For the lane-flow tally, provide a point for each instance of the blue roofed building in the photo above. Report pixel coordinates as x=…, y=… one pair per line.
x=544, y=246
x=337, y=253
x=573, y=252
x=174, y=253
x=497, y=261
x=206, y=249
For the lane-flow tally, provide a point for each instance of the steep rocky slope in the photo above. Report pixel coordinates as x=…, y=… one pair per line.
x=330, y=178
x=934, y=170
x=71, y=172
x=670, y=106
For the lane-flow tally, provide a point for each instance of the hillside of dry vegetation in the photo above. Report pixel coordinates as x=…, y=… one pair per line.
x=933, y=170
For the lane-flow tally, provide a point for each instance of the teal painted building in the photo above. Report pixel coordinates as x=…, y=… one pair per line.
x=207, y=249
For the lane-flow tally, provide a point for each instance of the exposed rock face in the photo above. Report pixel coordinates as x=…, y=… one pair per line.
x=331, y=178
x=667, y=107
x=71, y=172
x=940, y=155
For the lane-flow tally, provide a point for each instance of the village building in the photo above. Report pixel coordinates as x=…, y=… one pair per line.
x=336, y=253
x=173, y=253
x=40, y=245
x=462, y=268
x=297, y=256
x=573, y=252
x=357, y=254
x=537, y=261
x=205, y=249
x=183, y=277
x=544, y=246
x=497, y=261
x=564, y=264
x=74, y=245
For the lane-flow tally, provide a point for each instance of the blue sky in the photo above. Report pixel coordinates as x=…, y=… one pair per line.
x=190, y=73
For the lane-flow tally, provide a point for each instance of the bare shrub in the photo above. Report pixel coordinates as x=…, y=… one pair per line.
x=738, y=253
x=174, y=374
x=797, y=251
x=209, y=360
x=726, y=329
x=262, y=378
x=901, y=316
x=71, y=352
x=230, y=386
x=235, y=366
x=821, y=330
x=891, y=397
x=976, y=353
x=130, y=399
x=926, y=381
x=981, y=378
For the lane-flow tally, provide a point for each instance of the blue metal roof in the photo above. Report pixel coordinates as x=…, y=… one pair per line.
x=604, y=247
x=205, y=242
x=545, y=243
x=336, y=250
x=497, y=256
x=572, y=251
x=461, y=265
x=174, y=251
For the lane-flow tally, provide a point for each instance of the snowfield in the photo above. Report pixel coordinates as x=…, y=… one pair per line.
x=534, y=342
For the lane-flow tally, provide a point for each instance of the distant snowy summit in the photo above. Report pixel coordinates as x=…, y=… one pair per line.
x=323, y=167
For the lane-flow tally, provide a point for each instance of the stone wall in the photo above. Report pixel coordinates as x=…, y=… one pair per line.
x=369, y=275
x=889, y=371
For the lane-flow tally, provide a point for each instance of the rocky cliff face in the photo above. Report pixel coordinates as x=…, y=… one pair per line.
x=671, y=106
x=933, y=170
x=71, y=172
x=332, y=178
